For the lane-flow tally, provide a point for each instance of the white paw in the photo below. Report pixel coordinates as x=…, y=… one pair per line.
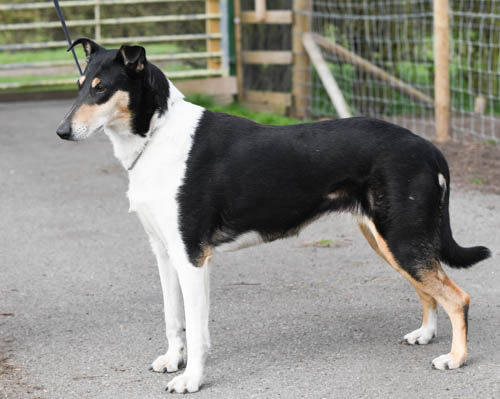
x=421, y=336
x=446, y=362
x=168, y=363
x=186, y=382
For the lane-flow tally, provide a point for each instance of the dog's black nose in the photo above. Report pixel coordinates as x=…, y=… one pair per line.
x=64, y=129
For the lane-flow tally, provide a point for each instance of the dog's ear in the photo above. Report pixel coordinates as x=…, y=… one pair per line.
x=133, y=58
x=89, y=46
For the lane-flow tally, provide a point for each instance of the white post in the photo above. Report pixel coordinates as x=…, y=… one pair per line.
x=97, y=18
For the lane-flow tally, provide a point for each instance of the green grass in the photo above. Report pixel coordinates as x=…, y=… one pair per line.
x=478, y=181
x=492, y=142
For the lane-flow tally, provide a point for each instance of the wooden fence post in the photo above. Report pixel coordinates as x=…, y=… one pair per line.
x=442, y=109
x=301, y=65
x=213, y=26
x=237, y=45
x=260, y=10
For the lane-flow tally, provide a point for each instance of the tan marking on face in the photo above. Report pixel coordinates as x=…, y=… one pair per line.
x=115, y=109
x=335, y=195
x=81, y=80
x=95, y=82
x=205, y=257
x=122, y=113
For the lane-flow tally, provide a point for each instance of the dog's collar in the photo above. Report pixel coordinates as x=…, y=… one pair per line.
x=153, y=131
x=148, y=139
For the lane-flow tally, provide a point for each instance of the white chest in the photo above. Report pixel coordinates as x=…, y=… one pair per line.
x=155, y=180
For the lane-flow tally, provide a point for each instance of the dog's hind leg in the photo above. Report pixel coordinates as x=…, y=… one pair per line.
x=427, y=331
x=433, y=284
x=174, y=315
x=456, y=303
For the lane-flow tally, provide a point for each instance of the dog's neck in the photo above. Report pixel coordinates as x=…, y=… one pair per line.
x=127, y=146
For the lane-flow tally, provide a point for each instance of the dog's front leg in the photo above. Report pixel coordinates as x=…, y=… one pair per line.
x=174, y=315
x=195, y=290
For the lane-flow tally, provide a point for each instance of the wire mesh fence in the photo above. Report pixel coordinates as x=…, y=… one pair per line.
x=397, y=37
x=475, y=68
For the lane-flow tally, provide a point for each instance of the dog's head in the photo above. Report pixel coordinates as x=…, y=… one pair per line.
x=119, y=90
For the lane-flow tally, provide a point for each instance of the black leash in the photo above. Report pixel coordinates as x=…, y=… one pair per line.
x=61, y=18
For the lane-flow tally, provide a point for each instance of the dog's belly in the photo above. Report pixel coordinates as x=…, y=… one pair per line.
x=229, y=241
x=252, y=238
x=245, y=240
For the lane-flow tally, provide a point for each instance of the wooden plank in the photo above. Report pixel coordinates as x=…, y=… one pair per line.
x=114, y=40
x=268, y=97
x=212, y=86
x=114, y=21
x=271, y=17
x=326, y=76
x=442, y=107
x=301, y=78
x=213, y=26
x=370, y=68
x=222, y=89
x=260, y=10
x=280, y=109
x=267, y=57
x=154, y=57
x=71, y=81
x=237, y=45
x=84, y=3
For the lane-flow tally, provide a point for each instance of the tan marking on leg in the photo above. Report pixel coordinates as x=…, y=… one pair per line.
x=383, y=249
x=81, y=80
x=456, y=303
x=205, y=257
x=370, y=238
x=95, y=82
x=428, y=302
x=435, y=285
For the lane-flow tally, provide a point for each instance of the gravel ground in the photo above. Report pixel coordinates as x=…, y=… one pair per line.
x=81, y=307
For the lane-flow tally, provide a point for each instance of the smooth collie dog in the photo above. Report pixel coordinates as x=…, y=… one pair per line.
x=202, y=181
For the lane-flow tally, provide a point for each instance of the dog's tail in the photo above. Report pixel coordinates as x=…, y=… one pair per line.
x=451, y=253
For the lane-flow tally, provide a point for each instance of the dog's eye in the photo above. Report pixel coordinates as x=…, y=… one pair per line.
x=99, y=88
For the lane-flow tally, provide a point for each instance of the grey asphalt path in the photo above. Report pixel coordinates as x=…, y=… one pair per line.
x=82, y=309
